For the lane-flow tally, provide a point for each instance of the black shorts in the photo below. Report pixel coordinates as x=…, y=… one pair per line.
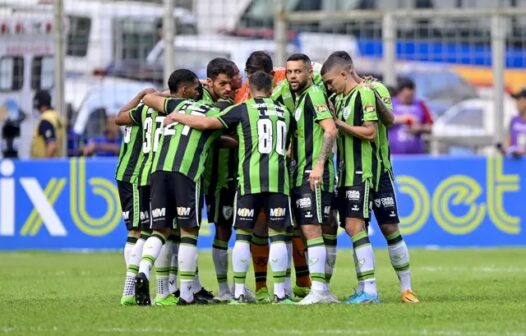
x=175, y=200
x=130, y=204
x=384, y=201
x=353, y=202
x=144, y=206
x=311, y=207
x=276, y=206
x=220, y=206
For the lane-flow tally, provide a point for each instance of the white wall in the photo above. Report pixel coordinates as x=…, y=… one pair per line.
x=214, y=15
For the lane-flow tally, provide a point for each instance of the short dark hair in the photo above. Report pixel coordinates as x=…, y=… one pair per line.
x=180, y=77
x=332, y=62
x=219, y=66
x=344, y=55
x=261, y=81
x=299, y=57
x=42, y=98
x=405, y=83
x=259, y=61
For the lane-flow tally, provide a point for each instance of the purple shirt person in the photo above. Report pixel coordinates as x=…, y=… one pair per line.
x=516, y=143
x=412, y=119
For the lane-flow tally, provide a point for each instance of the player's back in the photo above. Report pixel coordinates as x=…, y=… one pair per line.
x=184, y=149
x=263, y=132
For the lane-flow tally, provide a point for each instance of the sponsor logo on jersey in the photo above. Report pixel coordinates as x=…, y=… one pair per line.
x=386, y=100
x=144, y=215
x=387, y=202
x=126, y=215
x=369, y=109
x=327, y=209
x=320, y=108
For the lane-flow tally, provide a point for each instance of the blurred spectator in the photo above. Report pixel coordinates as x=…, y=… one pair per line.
x=106, y=145
x=516, y=141
x=412, y=119
x=49, y=133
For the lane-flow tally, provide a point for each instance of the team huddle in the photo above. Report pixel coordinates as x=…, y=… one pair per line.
x=261, y=156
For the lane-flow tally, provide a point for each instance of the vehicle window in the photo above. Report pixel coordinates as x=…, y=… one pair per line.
x=471, y=117
x=134, y=38
x=42, y=72
x=11, y=73
x=79, y=28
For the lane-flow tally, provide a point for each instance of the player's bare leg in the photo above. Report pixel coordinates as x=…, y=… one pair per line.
x=260, y=250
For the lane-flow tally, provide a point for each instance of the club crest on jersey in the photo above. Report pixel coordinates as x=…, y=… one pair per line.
x=346, y=112
x=227, y=212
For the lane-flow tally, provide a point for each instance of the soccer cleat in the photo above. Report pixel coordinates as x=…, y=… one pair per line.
x=332, y=298
x=262, y=295
x=142, y=290
x=316, y=296
x=301, y=292
x=170, y=300
x=240, y=300
x=204, y=295
x=249, y=296
x=128, y=300
x=224, y=297
x=196, y=300
x=363, y=298
x=284, y=301
x=177, y=293
x=409, y=297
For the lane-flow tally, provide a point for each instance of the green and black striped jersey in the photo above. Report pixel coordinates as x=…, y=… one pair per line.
x=183, y=149
x=312, y=106
x=358, y=159
x=283, y=94
x=221, y=165
x=262, y=126
x=131, y=155
x=150, y=121
x=383, y=133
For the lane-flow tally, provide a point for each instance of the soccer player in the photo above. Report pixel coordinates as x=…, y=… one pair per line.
x=312, y=169
x=358, y=165
x=384, y=198
x=132, y=201
x=261, y=61
x=262, y=127
x=175, y=186
x=221, y=170
x=182, y=84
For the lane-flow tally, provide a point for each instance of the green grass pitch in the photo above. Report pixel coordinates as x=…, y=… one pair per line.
x=463, y=292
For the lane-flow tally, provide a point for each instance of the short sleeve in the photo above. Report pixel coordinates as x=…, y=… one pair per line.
x=368, y=102
x=47, y=131
x=231, y=116
x=320, y=105
x=382, y=94
x=170, y=104
x=135, y=114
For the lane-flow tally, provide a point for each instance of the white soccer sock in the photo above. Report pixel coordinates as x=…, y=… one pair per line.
x=187, y=266
x=360, y=284
x=162, y=269
x=241, y=258
x=172, y=276
x=220, y=258
x=278, y=258
x=133, y=268
x=399, y=255
x=317, y=258
x=365, y=261
x=128, y=247
x=150, y=252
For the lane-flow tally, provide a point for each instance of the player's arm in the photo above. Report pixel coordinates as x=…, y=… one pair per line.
x=197, y=122
x=157, y=101
x=123, y=117
x=227, y=141
x=367, y=131
x=385, y=115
